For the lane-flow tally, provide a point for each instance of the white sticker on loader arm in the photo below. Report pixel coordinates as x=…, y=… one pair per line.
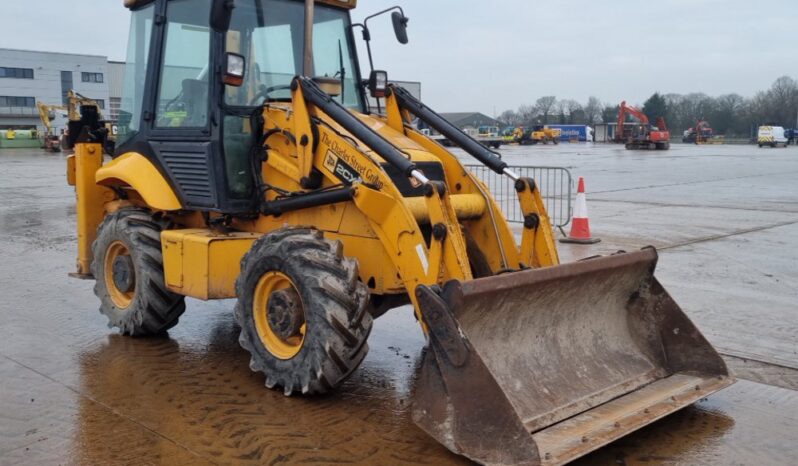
x=423, y=257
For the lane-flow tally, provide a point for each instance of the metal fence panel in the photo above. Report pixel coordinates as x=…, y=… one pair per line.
x=555, y=183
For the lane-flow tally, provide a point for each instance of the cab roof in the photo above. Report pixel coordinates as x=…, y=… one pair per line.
x=348, y=4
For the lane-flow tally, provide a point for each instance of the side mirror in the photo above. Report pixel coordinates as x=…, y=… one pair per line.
x=400, y=26
x=378, y=84
x=235, y=65
x=221, y=12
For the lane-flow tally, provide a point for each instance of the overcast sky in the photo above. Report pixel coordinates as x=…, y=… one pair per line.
x=492, y=56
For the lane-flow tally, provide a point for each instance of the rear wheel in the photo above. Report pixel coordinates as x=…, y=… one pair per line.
x=304, y=315
x=128, y=268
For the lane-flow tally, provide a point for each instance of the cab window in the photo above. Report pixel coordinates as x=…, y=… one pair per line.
x=183, y=87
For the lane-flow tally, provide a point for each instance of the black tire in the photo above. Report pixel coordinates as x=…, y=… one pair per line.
x=153, y=309
x=335, y=307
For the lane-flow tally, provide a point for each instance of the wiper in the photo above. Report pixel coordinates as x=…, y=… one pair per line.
x=342, y=71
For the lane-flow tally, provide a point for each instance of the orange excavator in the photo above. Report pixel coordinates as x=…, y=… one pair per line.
x=643, y=135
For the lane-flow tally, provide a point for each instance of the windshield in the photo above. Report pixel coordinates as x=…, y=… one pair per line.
x=270, y=34
x=135, y=73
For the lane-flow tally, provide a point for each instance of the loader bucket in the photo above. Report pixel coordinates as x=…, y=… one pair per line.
x=543, y=366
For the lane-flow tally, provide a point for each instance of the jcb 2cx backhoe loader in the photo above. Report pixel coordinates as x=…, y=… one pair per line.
x=248, y=166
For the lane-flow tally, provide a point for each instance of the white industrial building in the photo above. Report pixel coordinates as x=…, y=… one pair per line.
x=27, y=77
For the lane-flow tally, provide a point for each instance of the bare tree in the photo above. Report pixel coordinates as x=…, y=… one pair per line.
x=544, y=106
x=569, y=111
x=592, y=110
x=729, y=115
x=609, y=114
x=562, y=112
x=782, y=101
x=510, y=118
x=527, y=114
x=575, y=112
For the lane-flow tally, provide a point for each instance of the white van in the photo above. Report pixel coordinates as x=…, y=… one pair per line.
x=771, y=136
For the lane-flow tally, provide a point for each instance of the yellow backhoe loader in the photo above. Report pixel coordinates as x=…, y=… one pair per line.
x=248, y=165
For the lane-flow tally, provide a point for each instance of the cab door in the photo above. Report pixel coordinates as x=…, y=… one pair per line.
x=180, y=116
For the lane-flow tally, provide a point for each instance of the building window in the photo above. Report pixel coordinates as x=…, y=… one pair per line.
x=91, y=77
x=66, y=86
x=13, y=101
x=100, y=103
x=116, y=104
x=18, y=73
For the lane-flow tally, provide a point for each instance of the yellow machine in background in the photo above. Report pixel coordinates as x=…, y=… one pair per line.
x=75, y=101
x=539, y=134
x=545, y=135
x=235, y=176
x=52, y=141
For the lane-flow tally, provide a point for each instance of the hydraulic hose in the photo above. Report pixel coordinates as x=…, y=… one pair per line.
x=450, y=131
x=319, y=99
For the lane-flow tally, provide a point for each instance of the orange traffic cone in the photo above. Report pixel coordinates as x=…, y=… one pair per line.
x=580, y=225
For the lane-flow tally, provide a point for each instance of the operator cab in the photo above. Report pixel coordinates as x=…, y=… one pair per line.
x=197, y=74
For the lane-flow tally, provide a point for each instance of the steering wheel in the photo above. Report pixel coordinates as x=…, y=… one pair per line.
x=263, y=92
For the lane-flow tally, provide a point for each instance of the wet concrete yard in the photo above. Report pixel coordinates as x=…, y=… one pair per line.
x=725, y=219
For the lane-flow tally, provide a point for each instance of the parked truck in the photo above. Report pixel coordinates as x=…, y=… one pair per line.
x=578, y=133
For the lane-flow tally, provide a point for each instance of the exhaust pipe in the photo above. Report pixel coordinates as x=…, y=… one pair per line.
x=307, y=69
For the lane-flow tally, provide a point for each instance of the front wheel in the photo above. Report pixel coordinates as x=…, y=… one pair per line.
x=304, y=315
x=128, y=268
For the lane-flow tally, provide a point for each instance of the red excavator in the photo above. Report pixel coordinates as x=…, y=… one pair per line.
x=642, y=135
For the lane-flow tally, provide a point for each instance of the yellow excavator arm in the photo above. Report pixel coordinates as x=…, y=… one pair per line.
x=44, y=113
x=74, y=102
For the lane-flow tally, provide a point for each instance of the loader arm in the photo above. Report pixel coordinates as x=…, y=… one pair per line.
x=537, y=243
x=325, y=147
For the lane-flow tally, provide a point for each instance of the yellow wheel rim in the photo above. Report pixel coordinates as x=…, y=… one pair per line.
x=282, y=347
x=121, y=299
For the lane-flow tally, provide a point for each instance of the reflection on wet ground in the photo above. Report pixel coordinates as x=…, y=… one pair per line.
x=71, y=392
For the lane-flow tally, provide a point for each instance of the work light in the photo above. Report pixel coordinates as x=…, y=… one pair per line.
x=378, y=83
x=234, y=71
